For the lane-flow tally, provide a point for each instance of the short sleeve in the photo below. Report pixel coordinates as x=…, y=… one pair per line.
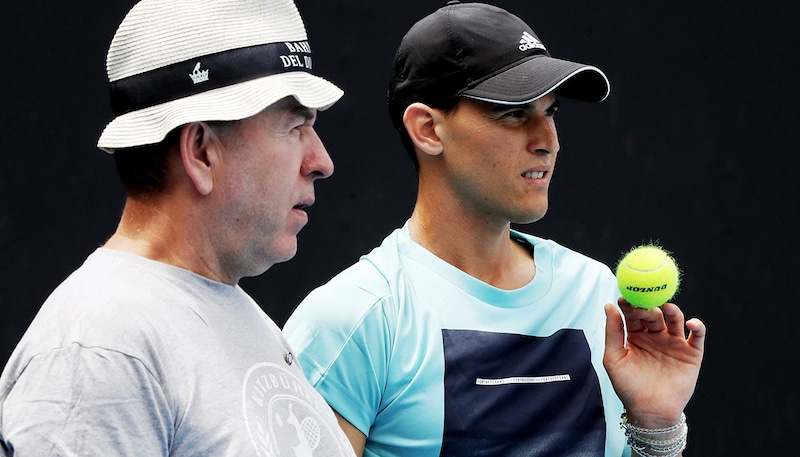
x=86, y=401
x=343, y=336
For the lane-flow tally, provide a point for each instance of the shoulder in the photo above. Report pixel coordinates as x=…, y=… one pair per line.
x=343, y=301
x=373, y=278
x=115, y=302
x=361, y=296
x=561, y=256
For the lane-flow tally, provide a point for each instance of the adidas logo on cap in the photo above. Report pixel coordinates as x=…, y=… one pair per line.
x=529, y=41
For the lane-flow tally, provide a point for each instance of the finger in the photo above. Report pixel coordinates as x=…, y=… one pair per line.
x=654, y=320
x=674, y=319
x=697, y=333
x=639, y=319
x=615, y=331
x=634, y=324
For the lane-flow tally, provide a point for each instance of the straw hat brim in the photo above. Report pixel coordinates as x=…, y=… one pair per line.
x=150, y=125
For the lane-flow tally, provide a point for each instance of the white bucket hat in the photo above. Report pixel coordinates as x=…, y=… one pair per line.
x=172, y=62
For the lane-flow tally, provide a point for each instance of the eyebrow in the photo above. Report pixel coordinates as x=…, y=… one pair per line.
x=496, y=107
x=304, y=112
x=294, y=108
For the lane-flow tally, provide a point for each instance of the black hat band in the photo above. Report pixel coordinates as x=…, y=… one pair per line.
x=209, y=72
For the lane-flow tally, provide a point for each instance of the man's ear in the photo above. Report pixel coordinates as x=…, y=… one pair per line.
x=420, y=122
x=199, y=150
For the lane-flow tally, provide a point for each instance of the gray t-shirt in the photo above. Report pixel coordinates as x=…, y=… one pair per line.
x=135, y=357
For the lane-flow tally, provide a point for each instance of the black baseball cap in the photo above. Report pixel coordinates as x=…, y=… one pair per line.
x=483, y=52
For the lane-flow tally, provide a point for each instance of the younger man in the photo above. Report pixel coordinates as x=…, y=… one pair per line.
x=461, y=337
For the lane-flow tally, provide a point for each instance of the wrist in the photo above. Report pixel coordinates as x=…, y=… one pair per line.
x=668, y=441
x=649, y=420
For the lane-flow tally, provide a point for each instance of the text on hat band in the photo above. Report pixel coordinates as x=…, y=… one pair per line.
x=209, y=72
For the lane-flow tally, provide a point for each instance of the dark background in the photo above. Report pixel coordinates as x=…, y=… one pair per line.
x=695, y=149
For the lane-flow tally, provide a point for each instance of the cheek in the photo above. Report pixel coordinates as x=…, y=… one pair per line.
x=271, y=192
x=248, y=193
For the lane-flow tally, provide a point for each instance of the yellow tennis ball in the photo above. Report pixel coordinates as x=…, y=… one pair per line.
x=647, y=276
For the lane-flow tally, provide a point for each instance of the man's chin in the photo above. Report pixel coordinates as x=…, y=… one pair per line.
x=529, y=218
x=279, y=254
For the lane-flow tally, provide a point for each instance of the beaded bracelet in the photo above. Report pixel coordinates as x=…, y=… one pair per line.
x=640, y=439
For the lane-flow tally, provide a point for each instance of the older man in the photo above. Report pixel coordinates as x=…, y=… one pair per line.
x=150, y=348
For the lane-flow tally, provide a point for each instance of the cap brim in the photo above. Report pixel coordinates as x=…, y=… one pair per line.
x=537, y=77
x=239, y=101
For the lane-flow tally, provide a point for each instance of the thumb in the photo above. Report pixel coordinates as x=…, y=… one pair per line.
x=615, y=333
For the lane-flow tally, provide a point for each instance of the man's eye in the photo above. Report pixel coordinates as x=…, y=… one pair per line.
x=300, y=126
x=516, y=113
x=552, y=110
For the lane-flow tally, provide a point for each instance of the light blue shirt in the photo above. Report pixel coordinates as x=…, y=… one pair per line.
x=423, y=358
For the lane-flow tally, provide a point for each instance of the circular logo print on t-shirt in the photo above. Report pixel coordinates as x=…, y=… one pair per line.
x=285, y=416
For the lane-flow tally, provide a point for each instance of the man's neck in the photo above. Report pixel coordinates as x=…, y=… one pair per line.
x=480, y=249
x=149, y=231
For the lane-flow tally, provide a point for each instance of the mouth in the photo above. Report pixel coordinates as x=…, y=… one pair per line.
x=304, y=204
x=533, y=174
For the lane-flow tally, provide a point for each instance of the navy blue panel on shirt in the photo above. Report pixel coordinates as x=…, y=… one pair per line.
x=517, y=395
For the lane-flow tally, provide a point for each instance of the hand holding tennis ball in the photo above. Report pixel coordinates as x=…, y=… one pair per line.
x=647, y=276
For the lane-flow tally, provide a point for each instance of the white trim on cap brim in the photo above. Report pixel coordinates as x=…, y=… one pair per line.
x=239, y=101
x=545, y=72
x=552, y=89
